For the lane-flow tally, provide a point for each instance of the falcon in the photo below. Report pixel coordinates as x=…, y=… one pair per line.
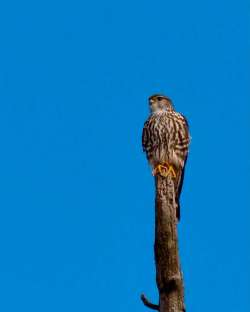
x=165, y=140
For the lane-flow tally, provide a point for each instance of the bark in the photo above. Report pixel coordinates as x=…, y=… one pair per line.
x=169, y=278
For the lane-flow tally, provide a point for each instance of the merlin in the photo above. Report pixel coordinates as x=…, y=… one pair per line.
x=165, y=139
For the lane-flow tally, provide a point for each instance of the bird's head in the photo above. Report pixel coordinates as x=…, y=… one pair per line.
x=158, y=102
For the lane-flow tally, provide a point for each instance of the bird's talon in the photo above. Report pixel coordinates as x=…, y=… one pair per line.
x=164, y=170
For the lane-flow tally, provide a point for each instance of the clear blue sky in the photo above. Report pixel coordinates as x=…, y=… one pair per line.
x=77, y=196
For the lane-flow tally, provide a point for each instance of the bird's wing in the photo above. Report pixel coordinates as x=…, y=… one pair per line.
x=146, y=142
x=144, y=138
x=181, y=150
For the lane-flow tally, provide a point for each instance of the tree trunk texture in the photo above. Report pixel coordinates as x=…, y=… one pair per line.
x=169, y=277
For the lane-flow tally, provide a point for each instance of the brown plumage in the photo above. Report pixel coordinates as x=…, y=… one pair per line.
x=165, y=139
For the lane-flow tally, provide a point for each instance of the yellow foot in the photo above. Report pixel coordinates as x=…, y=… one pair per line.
x=164, y=170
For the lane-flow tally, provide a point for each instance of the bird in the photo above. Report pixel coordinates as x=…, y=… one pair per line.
x=165, y=140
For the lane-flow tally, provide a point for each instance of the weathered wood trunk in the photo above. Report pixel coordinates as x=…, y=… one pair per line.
x=168, y=271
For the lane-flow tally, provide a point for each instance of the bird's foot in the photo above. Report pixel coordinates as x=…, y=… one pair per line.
x=164, y=170
x=160, y=169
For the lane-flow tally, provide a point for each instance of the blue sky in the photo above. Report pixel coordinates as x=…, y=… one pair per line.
x=77, y=195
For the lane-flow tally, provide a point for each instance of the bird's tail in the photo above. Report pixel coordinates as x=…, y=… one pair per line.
x=178, y=210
